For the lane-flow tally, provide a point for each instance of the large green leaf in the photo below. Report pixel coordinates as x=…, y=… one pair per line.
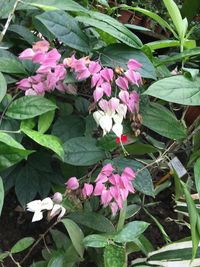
x=119, y=35
x=68, y=5
x=27, y=107
x=1, y=195
x=49, y=141
x=82, y=151
x=116, y=55
x=131, y=231
x=197, y=175
x=93, y=220
x=10, y=141
x=22, y=244
x=159, y=119
x=143, y=181
x=10, y=65
x=114, y=256
x=22, y=31
x=177, y=89
x=67, y=127
x=65, y=28
x=11, y=155
x=3, y=87
x=76, y=235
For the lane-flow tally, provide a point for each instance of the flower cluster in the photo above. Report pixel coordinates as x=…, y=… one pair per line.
x=49, y=76
x=111, y=187
x=53, y=205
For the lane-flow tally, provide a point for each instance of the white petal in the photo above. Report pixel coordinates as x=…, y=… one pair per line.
x=56, y=210
x=97, y=115
x=118, y=118
x=34, y=205
x=118, y=129
x=37, y=216
x=47, y=204
x=63, y=210
x=106, y=123
x=122, y=110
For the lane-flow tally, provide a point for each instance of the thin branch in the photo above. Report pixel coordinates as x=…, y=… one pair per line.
x=15, y=262
x=10, y=17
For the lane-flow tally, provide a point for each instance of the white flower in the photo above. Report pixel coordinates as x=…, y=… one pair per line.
x=58, y=209
x=118, y=129
x=104, y=120
x=38, y=206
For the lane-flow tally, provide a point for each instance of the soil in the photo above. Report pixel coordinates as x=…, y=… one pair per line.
x=16, y=224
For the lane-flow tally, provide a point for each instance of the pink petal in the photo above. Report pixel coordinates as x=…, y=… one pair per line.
x=72, y=183
x=122, y=83
x=83, y=75
x=94, y=67
x=129, y=173
x=107, y=169
x=134, y=64
x=114, y=103
x=114, y=208
x=39, y=57
x=30, y=92
x=103, y=104
x=24, y=84
x=98, y=189
x=107, y=74
x=27, y=54
x=106, y=197
x=107, y=88
x=133, y=77
x=97, y=94
x=101, y=178
x=87, y=190
x=42, y=46
x=124, y=96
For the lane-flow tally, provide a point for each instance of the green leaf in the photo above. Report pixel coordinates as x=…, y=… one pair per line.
x=82, y=151
x=190, y=8
x=3, y=87
x=93, y=220
x=141, y=149
x=154, y=16
x=114, y=256
x=48, y=141
x=131, y=231
x=68, y=5
x=162, y=44
x=197, y=175
x=1, y=195
x=11, y=65
x=68, y=127
x=22, y=31
x=3, y=256
x=177, y=89
x=22, y=244
x=110, y=29
x=8, y=140
x=11, y=155
x=45, y=120
x=175, y=15
x=65, y=28
x=76, y=235
x=27, y=107
x=95, y=241
x=116, y=55
x=159, y=119
x=131, y=210
x=142, y=182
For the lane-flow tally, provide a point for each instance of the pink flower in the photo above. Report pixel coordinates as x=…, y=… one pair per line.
x=106, y=197
x=130, y=100
x=129, y=173
x=27, y=54
x=107, y=74
x=96, y=80
x=42, y=46
x=87, y=190
x=83, y=75
x=97, y=94
x=107, y=169
x=134, y=64
x=72, y=183
x=114, y=208
x=122, y=83
x=94, y=67
x=98, y=189
x=106, y=88
x=133, y=77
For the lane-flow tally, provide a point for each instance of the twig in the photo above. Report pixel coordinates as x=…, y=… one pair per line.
x=37, y=242
x=15, y=262
x=10, y=17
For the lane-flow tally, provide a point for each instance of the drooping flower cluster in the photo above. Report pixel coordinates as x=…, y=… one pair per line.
x=112, y=188
x=49, y=76
x=53, y=205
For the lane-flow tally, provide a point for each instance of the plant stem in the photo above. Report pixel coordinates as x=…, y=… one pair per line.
x=15, y=262
x=10, y=17
x=122, y=216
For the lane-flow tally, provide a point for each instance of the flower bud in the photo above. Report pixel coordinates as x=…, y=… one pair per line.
x=87, y=190
x=72, y=183
x=57, y=197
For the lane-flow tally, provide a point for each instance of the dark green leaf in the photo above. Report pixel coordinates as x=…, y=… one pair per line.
x=93, y=220
x=95, y=241
x=141, y=149
x=159, y=119
x=3, y=87
x=65, y=29
x=114, y=256
x=1, y=195
x=197, y=175
x=45, y=120
x=82, y=151
x=10, y=65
